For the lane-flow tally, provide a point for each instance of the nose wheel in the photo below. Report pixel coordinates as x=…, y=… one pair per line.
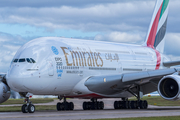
x=28, y=107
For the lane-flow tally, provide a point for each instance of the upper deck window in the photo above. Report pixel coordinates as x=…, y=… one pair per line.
x=22, y=60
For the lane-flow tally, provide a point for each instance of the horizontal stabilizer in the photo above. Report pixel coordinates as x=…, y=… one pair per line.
x=171, y=63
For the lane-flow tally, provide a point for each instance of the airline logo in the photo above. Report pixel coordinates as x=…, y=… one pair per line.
x=82, y=58
x=158, y=27
x=55, y=50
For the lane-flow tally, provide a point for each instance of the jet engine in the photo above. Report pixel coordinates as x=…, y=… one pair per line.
x=4, y=92
x=169, y=87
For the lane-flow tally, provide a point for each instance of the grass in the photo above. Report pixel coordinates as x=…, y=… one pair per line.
x=159, y=101
x=33, y=100
x=147, y=118
x=18, y=108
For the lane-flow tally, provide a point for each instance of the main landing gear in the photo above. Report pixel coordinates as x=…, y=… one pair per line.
x=28, y=107
x=65, y=105
x=93, y=105
x=125, y=104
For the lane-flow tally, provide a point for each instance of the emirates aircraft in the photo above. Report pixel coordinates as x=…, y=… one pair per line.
x=73, y=68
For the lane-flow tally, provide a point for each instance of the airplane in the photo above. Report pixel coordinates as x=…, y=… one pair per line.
x=88, y=69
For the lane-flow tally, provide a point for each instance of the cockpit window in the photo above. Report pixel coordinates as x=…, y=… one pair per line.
x=15, y=60
x=22, y=60
x=33, y=60
x=28, y=60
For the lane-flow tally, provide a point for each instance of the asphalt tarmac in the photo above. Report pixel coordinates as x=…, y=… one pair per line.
x=78, y=113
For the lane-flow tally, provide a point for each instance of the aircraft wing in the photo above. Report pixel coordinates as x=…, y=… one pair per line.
x=171, y=63
x=112, y=84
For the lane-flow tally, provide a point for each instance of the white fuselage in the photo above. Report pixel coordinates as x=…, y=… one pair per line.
x=62, y=65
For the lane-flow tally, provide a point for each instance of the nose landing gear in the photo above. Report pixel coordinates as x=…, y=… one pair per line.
x=28, y=107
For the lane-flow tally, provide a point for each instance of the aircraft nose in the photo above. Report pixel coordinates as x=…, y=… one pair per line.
x=14, y=79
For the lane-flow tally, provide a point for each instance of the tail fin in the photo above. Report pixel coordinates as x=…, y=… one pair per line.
x=157, y=28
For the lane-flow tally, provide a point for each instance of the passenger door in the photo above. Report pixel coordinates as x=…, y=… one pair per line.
x=50, y=68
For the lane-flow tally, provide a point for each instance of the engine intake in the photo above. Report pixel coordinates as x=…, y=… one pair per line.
x=169, y=87
x=4, y=92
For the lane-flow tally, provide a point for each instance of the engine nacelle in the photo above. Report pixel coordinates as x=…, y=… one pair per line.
x=4, y=92
x=169, y=87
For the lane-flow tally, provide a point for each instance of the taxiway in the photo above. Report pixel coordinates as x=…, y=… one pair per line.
x=78, y=113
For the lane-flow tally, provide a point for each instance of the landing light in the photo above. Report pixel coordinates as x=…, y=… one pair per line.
x=104, y=79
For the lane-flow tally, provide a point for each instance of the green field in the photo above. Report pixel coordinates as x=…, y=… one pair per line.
x=33, y=100
x=18, y=108
x=159, y=101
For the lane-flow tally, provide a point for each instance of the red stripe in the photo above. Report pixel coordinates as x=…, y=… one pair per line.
x=158, y=59
x=152, y=35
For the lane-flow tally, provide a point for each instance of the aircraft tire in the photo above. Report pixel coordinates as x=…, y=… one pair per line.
x=24, y=108
x=145, y=104
x=58, y=106
x=31, y=108
x=85, y=106
x=102, y=105
x=116, y=105
x=141, y=104
x=71, y=106
x=133, y=105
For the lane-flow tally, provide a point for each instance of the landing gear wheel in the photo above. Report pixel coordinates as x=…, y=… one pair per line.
x=141, y=104
x=58, y=106
x=66, y=106
x=116, y=105
x=24, y=108
x=125, y=104
x=133, y=105
x=71, y=106
x=31, y=108
x=145, y=104
x=85, y=106
x=102, y=105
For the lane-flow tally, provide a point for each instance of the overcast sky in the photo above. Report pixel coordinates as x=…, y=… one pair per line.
x=106, y=20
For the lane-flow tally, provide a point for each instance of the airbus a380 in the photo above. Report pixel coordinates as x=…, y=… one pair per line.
x=73, y=68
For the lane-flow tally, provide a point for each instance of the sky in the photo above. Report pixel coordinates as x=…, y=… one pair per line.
x=125, y=21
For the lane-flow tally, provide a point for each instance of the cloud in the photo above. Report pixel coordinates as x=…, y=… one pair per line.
x=9, y=45
x=98, y=17
x=56, y=3
x=172, y=44
x=121, y=37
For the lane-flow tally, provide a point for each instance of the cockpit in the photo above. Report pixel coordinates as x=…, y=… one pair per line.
x=29, y=60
